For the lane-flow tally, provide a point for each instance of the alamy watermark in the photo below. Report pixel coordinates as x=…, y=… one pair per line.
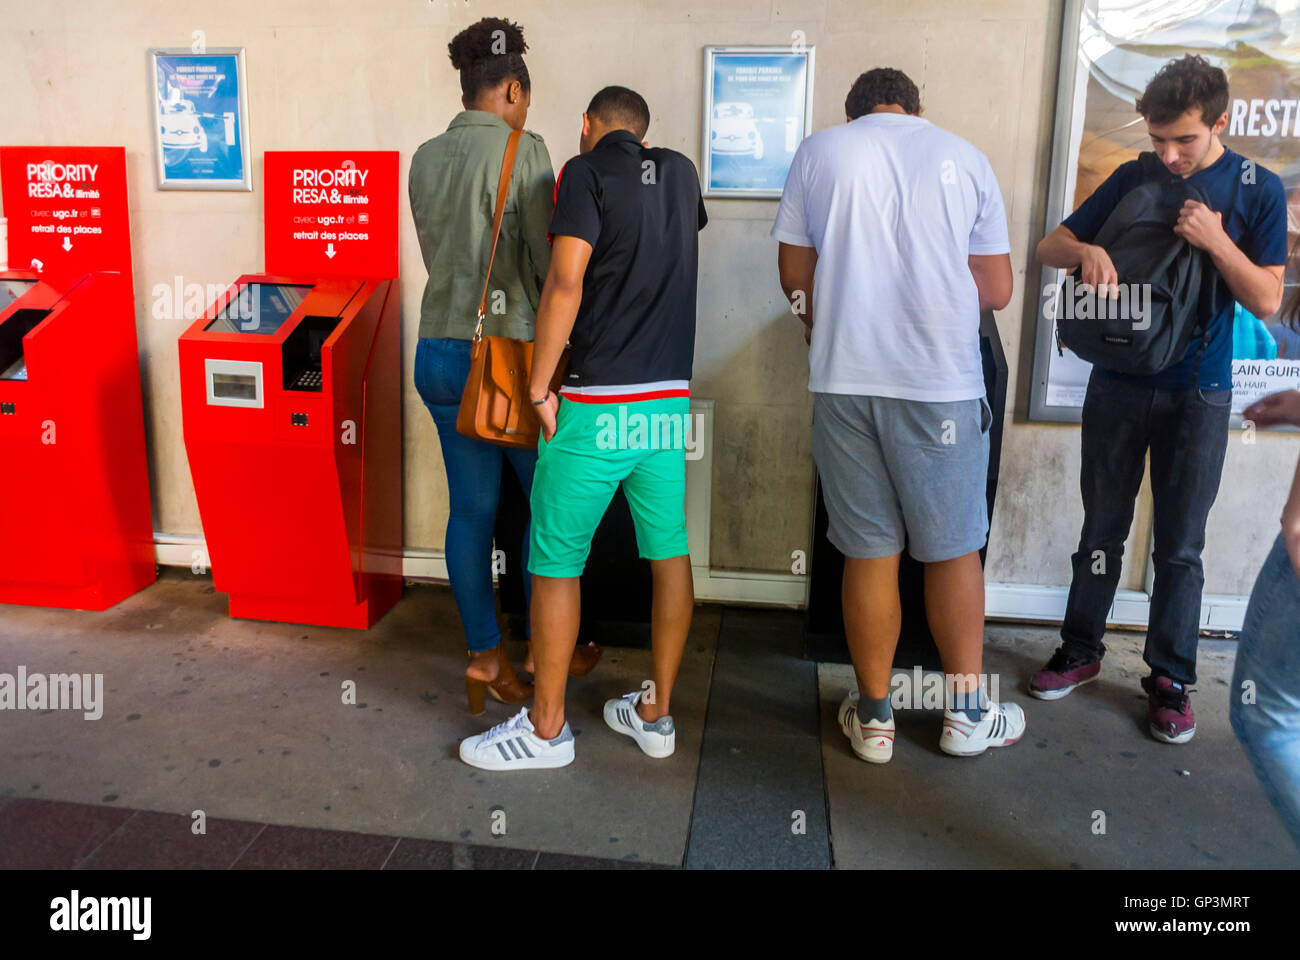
x=633, y=430
x=53, y=691
x=919, y=690
x=180, y=300
x=75, y=913
x=1084, y=301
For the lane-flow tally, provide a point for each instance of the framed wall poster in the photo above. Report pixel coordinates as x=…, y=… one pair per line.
x=757, y=110
x=1110, y=50
x=199, y=103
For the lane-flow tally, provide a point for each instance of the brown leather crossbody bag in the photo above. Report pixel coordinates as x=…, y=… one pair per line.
x=495, y=405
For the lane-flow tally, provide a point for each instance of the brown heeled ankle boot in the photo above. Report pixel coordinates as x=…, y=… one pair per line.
x=506, y=688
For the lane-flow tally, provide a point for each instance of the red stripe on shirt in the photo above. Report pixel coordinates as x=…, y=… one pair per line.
x=624, y=397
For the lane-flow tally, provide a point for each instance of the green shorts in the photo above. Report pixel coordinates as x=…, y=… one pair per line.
x=596, y=447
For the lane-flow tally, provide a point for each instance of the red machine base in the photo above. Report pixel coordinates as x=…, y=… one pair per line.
x=96, y=596
x=359, y=616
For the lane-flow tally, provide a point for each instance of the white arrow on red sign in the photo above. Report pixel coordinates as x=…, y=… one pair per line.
x=67, y=243
x=330, y=251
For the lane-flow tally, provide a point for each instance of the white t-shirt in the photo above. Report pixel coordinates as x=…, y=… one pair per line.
x=894, y=205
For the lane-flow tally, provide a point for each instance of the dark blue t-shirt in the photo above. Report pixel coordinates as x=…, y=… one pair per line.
x=1253, y=204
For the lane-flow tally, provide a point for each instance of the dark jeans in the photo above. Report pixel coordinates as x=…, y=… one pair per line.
x=1187, y=434
x=473, y=486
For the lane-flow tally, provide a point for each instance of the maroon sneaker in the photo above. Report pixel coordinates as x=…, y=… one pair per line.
x=1062, y=674
x=1169, y=710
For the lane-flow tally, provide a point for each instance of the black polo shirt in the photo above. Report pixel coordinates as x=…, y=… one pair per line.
x=640, y=208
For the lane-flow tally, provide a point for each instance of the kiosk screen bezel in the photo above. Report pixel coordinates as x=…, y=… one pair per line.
x=273, y=304
x=13, y=289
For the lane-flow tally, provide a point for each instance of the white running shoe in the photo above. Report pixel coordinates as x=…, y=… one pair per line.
x=658, y=739
x=872, y=741
x=1002, y=725
x=513, y=745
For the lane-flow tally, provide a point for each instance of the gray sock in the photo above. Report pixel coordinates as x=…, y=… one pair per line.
x=972, y=704
x=869, y=709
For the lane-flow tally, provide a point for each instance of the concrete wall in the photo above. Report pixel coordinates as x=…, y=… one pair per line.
x=340, y=74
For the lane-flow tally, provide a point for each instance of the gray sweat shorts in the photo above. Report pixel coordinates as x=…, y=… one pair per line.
x=898, y=473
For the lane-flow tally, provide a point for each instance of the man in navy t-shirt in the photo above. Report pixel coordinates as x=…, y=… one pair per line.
x=1180, y=414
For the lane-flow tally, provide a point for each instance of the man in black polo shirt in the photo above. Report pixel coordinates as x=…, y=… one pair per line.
x=621, y=288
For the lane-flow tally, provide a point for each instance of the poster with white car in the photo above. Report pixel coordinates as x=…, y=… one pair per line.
x=758, y=109
x=201, y=120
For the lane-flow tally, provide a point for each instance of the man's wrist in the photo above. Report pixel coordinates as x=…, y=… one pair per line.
x=1221, y=248
x=1075, y=255
x=536, y=400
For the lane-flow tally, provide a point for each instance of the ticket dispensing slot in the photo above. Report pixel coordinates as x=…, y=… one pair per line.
x=301, y=353
x=13, y=364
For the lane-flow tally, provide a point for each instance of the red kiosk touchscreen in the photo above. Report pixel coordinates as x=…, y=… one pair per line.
x=290, y=390
x=77, y=528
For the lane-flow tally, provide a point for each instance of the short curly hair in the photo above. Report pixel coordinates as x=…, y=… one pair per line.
x=487, y=53
x=880, y=87
x=1184, y=84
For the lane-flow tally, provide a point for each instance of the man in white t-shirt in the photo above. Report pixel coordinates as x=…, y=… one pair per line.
x=897, y=230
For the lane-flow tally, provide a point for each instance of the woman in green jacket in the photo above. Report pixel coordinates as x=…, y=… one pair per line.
x=453, y=187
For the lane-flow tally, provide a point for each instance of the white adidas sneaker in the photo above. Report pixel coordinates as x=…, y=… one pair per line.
x=1002, y=725
x=514, y=745
x=658, y=739
x=872, y=741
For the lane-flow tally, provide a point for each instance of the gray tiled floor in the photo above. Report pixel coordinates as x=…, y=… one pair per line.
x=245, y=720
x=1032, y=804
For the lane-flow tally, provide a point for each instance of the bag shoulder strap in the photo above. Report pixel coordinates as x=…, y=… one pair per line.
x=503, y=190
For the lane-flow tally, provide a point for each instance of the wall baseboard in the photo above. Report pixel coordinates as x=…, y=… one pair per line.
x=1030, y=602
x=1016, y=602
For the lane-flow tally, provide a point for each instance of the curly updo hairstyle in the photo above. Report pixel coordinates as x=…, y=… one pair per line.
x=487, y=53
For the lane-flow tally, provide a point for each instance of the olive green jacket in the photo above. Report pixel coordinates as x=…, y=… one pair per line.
x=453, y=188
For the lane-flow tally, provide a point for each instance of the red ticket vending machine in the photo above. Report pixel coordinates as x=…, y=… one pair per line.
x=291, y=393
x=77, y=528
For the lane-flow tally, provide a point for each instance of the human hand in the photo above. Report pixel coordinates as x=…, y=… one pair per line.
x=1275, y=409
x=1097, y=270
x=1200, y=226
x=546, y=411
